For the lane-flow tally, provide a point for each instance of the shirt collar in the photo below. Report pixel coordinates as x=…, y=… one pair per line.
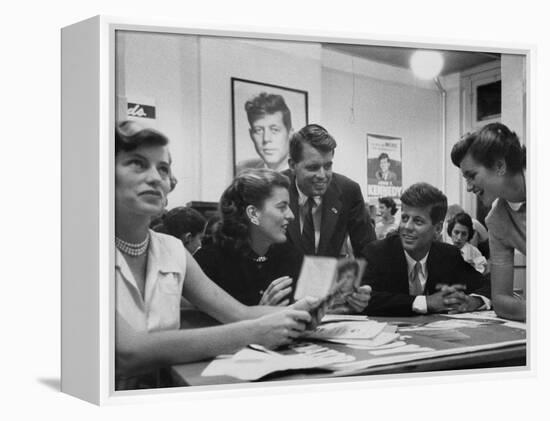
x=411, y=262
x=515, y=206
x=302, y=198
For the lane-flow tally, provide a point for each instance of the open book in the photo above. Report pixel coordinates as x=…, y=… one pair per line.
x=329, y=278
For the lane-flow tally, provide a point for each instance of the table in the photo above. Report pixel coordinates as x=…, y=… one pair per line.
x=486, y=346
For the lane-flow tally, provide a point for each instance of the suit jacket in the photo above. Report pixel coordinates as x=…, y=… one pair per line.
x=343, y=213
x=387, y=274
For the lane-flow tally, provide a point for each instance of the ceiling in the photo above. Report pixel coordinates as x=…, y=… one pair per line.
x=454, y=61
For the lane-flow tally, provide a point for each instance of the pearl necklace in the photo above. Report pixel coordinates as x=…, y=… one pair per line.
x=132, y=249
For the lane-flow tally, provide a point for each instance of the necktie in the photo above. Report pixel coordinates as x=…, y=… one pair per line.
x=415, y=286
x=308, y=232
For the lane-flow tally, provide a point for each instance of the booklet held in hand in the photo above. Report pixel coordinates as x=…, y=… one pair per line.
x=329, y=278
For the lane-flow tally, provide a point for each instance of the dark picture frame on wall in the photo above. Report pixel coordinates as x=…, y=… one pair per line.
x=264, y=116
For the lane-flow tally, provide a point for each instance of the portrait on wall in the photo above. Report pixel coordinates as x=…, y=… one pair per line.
x=384, y=166
x=264, y=118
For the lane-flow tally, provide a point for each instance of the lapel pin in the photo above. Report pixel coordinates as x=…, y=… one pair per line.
x=334, y=210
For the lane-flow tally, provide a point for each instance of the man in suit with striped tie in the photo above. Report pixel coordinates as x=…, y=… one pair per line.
x=328, y=207
x=411, y=273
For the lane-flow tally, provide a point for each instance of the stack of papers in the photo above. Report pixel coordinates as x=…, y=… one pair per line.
x=255, y=362
x=359, y=333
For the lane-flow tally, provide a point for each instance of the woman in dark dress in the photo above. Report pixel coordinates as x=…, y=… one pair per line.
x=250, y=257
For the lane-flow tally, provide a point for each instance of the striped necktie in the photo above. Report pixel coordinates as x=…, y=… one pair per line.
x=415, y=286
x=308, y=232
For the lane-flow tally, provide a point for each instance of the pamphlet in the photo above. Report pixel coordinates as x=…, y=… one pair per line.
x=329, y=278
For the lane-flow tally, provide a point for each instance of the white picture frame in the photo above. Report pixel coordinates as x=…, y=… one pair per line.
x=88, y=118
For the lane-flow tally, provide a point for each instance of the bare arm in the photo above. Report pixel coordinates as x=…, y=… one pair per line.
x=505, y=303
x=138, y=351
x=208, y=297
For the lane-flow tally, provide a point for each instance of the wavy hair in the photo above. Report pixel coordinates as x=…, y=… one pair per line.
x=264, y=104
x=389, y=203
x=490, y=143
x=461, y=218
x=250, y=187
x=423, y=195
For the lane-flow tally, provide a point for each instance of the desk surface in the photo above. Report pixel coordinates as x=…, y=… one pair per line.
x=486, y=346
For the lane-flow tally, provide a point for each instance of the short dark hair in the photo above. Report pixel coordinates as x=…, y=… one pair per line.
x=314, y=135
x=383, y=155
x=461, y=218
x=423, y=195
x=129, y=135
x=264, y=104
x=490, y=143
x=389, y=203
x=249, y=187
x=181, y=220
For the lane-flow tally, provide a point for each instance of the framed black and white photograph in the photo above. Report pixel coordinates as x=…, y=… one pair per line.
x=176, y=299
x=264, y=118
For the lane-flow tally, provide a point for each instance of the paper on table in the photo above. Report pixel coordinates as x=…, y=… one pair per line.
x=406, y=348
x=250, y=364
x=394, y=344
x=329, y=318
x=347, y=330
x=488, y=315
x=444, y=325
x=381, y=339
x=360, y=366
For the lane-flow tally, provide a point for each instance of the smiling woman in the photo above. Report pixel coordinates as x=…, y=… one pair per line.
x=153, y=270
x=250, y=257
x=493, y=163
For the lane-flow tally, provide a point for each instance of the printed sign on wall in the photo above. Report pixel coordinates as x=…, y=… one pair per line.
x=384, y=166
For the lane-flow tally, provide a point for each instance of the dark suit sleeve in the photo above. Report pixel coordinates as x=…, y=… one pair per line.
x=390, y=295
x=360, y=229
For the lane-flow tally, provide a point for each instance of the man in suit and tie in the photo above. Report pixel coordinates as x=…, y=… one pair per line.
x=328, y=206
x=411, y=273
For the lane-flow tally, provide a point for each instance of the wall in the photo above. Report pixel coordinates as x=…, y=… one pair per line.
x=388, y=101
x=164, y=68
x=453, y=131
x=294, y=65
x=513, y=93
x=189, y=79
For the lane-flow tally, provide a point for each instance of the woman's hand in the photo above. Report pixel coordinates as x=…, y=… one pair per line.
x=277, y=293
x=280, y=328
x=315, y=307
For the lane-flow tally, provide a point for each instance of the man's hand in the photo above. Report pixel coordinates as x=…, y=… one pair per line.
x=436, y=302
x=353, y=303
x=452, y=298
x=462, y=303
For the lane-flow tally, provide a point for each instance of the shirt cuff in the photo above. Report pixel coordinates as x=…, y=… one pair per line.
x=486, y=302
x=420, y=304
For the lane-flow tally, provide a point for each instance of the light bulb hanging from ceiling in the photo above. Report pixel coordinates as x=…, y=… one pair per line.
x=426, y=64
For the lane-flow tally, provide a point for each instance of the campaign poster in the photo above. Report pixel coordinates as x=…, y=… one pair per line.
x=384, y=166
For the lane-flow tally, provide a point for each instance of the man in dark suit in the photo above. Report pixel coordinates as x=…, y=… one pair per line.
x=327, y=206
x=411, y=273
